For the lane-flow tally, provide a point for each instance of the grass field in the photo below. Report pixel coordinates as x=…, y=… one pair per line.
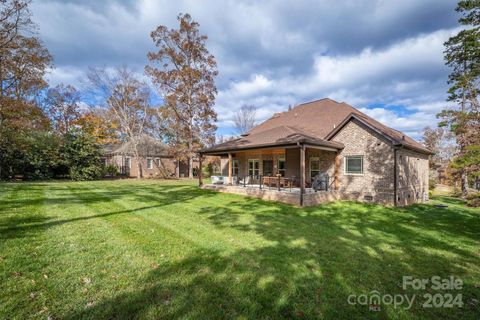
x=152, y=250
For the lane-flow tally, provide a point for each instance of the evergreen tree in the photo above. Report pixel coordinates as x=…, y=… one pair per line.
x=462, y=55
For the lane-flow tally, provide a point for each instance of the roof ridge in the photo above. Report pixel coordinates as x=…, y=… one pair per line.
x=316, y=100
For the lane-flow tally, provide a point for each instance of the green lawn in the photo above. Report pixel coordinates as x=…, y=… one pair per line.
x=152, y=250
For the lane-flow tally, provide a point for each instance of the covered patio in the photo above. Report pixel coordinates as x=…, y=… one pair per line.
x=295, y=169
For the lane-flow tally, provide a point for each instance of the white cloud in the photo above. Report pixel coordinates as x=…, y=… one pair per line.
x=272, y=54
x=397, y=75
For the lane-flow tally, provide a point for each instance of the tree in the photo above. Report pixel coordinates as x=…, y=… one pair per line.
x=82, y=156
x=441, y=142
x=462, y=55
x=128, y=103
x=23, y=62
x=42, y=158
x=98, y=123
x=63, y=107
x=185, y=79
x=245, y=119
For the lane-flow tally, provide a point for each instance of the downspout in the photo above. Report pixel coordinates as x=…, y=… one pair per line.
x=395, y=176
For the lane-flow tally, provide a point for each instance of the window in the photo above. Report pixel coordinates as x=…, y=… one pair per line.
x=281, y=167
x=149, y=164
x=253, y=167
x=314, y=166
x=128, y=163
x=105, y=161
x=354, y=165
x=235, y=167
x=158, y=162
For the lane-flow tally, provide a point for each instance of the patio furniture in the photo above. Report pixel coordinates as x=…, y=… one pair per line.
x=278, y=182
x=320, y=182
x=218, y=179
x=245, y=181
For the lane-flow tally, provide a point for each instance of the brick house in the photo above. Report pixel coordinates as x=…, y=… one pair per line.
x=360, y=158
x=155, y=159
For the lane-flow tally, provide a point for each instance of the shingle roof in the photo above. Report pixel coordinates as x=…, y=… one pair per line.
x=318, y=120
x=281, y=135
x=147, y=147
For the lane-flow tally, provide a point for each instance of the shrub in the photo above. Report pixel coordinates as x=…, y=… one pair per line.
x=41, y=157
x=82, y=156
x=473, y=199
x=432, y=183
x=110, y=170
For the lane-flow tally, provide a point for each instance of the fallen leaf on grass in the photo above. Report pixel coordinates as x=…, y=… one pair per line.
x=33, y=282
x=154, y=265
x=32, y=295
x=16, y=274
x=89, y=304
x=45, y=276
x=87, y=280
x=44, y=309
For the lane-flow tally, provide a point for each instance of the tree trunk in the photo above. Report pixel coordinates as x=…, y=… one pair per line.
x=139, y=169
x=190, y=167
x=190, y=157
x=177, y=168
x=464, y=183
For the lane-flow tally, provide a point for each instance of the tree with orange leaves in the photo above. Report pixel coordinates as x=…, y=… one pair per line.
x=184, y=71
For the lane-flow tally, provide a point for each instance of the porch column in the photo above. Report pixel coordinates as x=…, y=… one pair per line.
x=230, y=168
x=200, y=182
x=337, y=171
x=302, y=173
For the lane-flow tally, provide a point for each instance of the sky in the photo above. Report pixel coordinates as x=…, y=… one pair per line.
x=384, y=57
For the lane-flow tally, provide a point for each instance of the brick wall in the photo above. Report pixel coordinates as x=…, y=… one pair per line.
x=376, y=182
x=164, y=169
x=412, y=177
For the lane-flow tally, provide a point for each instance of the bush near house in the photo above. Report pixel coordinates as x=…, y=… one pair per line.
x=473, y=200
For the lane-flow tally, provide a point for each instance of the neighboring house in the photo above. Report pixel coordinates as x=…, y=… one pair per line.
x=363, y=159
x=155, y=160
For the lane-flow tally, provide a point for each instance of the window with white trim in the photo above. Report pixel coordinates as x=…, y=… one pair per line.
x=281, y=167
x=253, y=167
x=157, y=161
x=314, y=166
x=235, y=168
x=128, y=163
x=353, y=165
x=149, y=164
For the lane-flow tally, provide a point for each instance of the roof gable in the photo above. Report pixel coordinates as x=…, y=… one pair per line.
x=316, y=121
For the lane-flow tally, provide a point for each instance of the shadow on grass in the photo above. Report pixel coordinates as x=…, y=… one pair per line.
x=450, y=200
x=311, y=261
x=20, y=225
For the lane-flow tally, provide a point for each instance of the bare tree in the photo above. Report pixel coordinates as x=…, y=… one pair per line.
x=63, y=107
x=245, y=119
x=128, y=102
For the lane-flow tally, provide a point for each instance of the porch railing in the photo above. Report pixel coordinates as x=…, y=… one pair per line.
x=281, y=183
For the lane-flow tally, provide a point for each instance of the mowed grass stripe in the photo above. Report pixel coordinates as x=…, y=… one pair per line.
x=92, y=261
x=22, y=246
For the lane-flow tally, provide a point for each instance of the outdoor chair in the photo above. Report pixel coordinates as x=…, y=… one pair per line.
x=320, y=182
